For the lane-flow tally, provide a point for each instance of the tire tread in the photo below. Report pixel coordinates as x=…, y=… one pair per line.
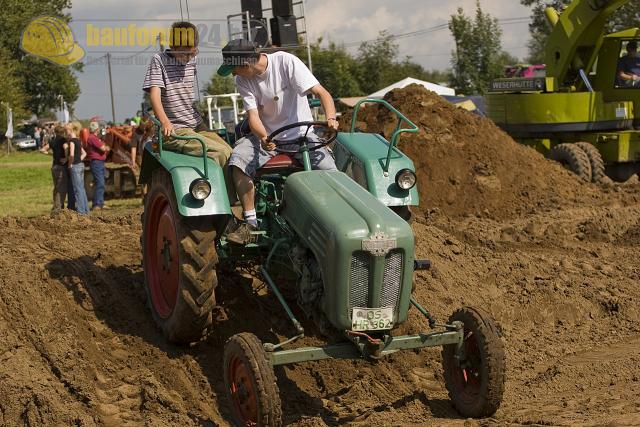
x=269, y=405
x=491, y=348
x=198, y=257
x=574, y=158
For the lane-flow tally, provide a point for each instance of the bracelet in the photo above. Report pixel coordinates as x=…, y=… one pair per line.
x=332, y=118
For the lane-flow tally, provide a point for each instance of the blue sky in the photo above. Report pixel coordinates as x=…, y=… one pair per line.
x=342, y=21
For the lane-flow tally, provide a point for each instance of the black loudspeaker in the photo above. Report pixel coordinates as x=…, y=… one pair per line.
x=254, y=7
x=284, y=31
x=282, y=7
x=259, y=31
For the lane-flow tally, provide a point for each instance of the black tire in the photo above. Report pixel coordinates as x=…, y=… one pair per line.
x=403, y=212
x=573, y=158
x=598, y=174
x=250, y=382
x=476, y=389
x=181, y=279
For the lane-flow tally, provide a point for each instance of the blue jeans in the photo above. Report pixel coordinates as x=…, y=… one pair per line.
x=97, y=170
x=77, y=180
x=71, y=198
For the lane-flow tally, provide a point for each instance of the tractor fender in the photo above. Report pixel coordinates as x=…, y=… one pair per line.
x=184, y=169
x=362, y=156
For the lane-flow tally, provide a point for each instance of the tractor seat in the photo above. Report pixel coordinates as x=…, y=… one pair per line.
x=279, y=163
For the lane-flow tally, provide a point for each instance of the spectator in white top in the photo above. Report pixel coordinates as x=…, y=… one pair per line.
x=274, y=89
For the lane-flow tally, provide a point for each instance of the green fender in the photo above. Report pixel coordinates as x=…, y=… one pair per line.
x=362, y=156
x=184, y=170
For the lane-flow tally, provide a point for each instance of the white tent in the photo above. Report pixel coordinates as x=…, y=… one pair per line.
x=440, y=90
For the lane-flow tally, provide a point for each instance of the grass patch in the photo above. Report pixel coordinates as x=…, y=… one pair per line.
x=26, y=187
x=25, y=191
x=34, y=157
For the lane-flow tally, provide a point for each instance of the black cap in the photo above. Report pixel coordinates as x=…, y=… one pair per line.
x=236, y=53
x=632, y=45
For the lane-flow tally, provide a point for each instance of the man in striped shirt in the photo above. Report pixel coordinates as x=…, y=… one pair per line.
x=169, y=81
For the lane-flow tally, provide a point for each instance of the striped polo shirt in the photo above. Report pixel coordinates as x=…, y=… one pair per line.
x=176, y=80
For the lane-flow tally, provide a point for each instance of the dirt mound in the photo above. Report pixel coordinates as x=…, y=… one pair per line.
x=467, y=165
x=78, y=345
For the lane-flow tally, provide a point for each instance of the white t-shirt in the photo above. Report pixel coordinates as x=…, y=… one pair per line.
x=279, y=94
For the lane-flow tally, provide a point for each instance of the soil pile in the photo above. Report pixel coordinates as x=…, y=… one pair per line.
x=78, y=345
x=467, y=165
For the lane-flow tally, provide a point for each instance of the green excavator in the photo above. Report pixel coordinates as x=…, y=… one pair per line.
x=583, y=112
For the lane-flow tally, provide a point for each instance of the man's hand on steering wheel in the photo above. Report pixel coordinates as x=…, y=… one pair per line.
x=326, y=137
x=267, y=144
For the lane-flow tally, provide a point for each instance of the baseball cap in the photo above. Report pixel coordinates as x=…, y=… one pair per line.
x=236, y=53
x=94, y=126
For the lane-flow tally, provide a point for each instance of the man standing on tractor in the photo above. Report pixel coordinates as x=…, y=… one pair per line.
x=274, y=89
x=629, y=67
x=169, y=81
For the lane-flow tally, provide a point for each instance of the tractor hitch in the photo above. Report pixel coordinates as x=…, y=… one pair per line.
x=421, y=264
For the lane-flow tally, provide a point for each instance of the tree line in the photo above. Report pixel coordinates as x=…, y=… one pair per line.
x=29, y=84
x=32, y=86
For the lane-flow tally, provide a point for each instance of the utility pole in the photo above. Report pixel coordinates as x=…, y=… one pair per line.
x=9, y=132
x=61, y=98
x=113, y=106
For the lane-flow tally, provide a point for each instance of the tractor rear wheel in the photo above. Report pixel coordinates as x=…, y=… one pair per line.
x=573, y=158
x=250, y=382
x=476, y=383
x=179, y=258
x=595, y=158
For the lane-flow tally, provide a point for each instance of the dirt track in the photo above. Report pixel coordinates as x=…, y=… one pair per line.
x=78, y=345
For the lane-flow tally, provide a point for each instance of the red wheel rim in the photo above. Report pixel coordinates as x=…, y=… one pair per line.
x=242, y=391
x=468, y=376
x=161, y=256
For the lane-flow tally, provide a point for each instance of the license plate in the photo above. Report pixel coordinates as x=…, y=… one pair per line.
x=372, y=319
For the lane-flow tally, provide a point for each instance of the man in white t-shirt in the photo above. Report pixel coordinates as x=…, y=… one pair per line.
x=274, y=90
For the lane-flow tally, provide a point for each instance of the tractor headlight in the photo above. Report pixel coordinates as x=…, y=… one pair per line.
x=200, y=189
x=406, y=179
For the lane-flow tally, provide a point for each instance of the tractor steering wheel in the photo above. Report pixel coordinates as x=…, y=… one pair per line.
x=327, y=136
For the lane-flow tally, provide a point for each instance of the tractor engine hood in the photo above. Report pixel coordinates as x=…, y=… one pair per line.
x=365, y=251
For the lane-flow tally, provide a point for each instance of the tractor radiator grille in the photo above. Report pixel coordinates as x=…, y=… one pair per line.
x=392, y=281
x=359, y=280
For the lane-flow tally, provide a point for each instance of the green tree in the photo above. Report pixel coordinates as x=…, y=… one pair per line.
x=539, y=28
x=11, y=91
x=42, y=81
x=376, y=60
x=336, y=70
x=478, y=57
x=380, y=66
x=219, y=85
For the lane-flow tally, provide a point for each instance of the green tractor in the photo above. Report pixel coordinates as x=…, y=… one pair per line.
x=581, y=113
x=351, y=252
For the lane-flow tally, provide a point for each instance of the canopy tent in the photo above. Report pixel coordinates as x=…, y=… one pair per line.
x=440, y=90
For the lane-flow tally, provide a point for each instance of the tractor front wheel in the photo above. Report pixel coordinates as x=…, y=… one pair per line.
x=179, y=258
x=251, y=383
x=572, y=157
x=475, y=378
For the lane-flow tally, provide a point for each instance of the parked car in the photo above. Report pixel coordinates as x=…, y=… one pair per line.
x=24, y=142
